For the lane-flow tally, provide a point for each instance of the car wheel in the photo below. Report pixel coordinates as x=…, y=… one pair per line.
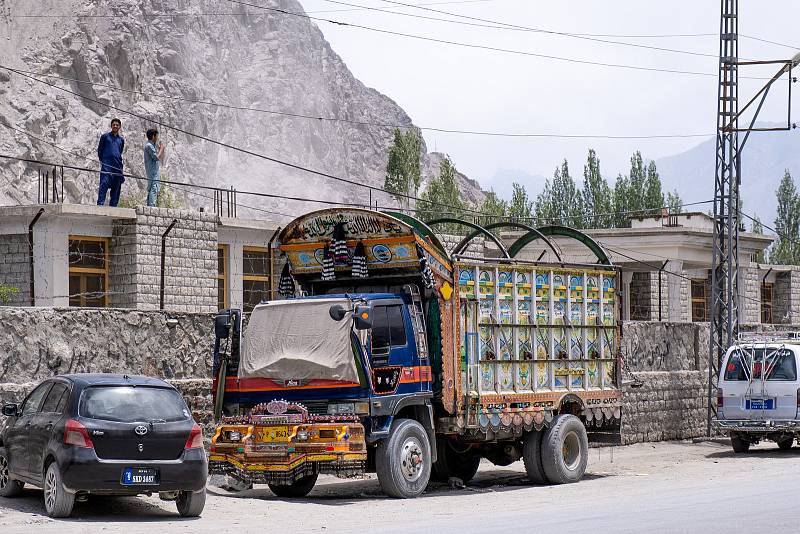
x=565, y=450
x=403, y=460
x=532, y=457
x=739, y=444
x=786, y=443
x=191, y=503
x=298, y=488
x=57, y=501
x=8, y=487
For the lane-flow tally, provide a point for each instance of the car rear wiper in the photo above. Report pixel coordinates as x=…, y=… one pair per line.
x=154, y=421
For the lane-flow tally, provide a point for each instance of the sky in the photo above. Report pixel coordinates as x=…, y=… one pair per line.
x=455, y=87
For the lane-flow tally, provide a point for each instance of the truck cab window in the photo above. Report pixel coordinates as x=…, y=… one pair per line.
x=388, y=329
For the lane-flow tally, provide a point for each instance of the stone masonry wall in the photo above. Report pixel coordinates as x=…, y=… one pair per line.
x=15, y=268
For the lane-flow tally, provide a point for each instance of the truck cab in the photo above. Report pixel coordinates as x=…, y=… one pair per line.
x=759, y=394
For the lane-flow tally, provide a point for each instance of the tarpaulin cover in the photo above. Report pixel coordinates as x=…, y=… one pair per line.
x=298, y=340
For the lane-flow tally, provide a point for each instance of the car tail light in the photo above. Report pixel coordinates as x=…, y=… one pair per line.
x=76, y=434
x=195, y=440
x=720, y=398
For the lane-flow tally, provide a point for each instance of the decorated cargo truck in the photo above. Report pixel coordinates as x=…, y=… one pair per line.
x=386, y=353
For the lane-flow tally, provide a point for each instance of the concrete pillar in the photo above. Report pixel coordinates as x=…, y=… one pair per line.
x=50, y=264
x=235, y=261
x=627, y=276
x=673, y=290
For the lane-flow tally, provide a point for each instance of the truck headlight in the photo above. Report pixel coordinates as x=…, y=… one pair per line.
x=234, y=435
x=341, y=408
x=302, y=435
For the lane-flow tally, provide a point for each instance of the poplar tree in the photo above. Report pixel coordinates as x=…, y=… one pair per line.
x=653, y=199
x=520, y=206
x=787, y=223
x=597, y=197
x=442, y=197
x=494, y=206
x=403, y=169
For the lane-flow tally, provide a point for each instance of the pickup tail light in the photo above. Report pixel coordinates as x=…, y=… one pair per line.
x=195, y=440
x=77, y=435
x=798, y=398
x=720, y=400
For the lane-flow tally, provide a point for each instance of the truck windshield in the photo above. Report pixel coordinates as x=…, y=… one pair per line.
x=747, y=364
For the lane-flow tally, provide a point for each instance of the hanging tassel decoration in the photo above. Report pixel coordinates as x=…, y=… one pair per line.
x=425, y=269
x=328, y=272
x=360, y=261
x=340, y=252
x=286, y=285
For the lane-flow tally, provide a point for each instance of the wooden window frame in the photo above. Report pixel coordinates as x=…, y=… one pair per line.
x=767, y=306
x=253, y=277
x=91, y=270
x=693, y=300
x=224, y=277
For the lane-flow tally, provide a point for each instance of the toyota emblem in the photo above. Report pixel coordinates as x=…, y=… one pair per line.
x=140, y=430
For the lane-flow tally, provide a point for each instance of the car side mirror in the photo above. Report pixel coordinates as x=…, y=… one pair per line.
x=362, y=317
x=337, y=312
x=11, y=410
x=222, y=325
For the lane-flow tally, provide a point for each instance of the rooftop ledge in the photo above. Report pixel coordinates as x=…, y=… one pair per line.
x=67, y=210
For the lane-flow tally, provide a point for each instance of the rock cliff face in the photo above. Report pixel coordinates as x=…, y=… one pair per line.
x=239, y=56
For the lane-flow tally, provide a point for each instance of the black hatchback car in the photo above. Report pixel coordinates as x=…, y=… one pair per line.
x=82, y=434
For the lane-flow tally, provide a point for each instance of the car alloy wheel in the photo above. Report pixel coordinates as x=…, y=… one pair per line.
x=5, y=477
x=50, y=489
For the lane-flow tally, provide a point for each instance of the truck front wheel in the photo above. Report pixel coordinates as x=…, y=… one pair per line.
x=299, y=488
x=403, y=461
x=565, y=450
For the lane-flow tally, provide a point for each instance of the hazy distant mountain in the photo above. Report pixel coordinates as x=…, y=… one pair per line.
x=764, y=159
x=503, y=179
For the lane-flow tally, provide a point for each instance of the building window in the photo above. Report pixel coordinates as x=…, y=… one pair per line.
x=222, y=277
x=88, y=272
x=766, y=304
x=255, y=277
x=699, y=301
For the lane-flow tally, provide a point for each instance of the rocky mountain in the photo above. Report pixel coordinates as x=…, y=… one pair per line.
x=765, y=158
x=153, y=58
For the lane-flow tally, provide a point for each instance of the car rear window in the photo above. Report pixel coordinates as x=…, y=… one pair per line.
x=779, y=365
x=129, y=404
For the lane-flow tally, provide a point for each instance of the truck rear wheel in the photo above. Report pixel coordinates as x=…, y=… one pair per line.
x=299, y=488
x=532, y=457
x=565, y=450
x=786, y=443
x=403, y=461
x=453, y=463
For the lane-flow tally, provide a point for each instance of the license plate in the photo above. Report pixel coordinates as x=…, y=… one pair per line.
x=760, y=404
x=136, y=476
x=273, y=433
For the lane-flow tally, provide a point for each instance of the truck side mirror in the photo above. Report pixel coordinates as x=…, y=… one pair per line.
x=11, y=410
x=337, y=312
x=222, y=325
x=362, y=317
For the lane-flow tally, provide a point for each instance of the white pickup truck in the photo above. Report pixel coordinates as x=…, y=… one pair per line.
x=759, y=393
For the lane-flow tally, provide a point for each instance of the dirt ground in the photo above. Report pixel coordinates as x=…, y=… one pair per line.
x=661, y=487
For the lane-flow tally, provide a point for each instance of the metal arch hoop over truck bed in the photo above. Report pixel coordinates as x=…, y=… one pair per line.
x=507, y=224
x=563, y=231
x=477, y=228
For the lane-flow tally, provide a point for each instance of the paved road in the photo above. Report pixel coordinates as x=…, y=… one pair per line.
x=654, y=488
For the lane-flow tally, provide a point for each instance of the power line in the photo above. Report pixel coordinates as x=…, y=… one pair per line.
x=365, y=123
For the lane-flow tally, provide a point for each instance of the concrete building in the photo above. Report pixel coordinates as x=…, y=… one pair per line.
x=91, y=256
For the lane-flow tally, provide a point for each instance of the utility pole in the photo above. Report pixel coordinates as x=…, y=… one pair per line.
x=727, y=180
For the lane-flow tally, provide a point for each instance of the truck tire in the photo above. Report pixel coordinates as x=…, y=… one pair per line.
x=299, y=488
x=739, y=444
x=191, y=503
x=532, y=457
x=57, y=502
x=403, y=460
x=565, y=450
x=786, y=443
x=452, y=463
x=8, y=487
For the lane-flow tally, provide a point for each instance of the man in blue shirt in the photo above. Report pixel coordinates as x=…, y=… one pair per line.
x=153, y=155
x=109, y=152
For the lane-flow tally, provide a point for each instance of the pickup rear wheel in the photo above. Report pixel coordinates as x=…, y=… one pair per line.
x=403, y=461
x=454, y=463
x=739, y=444
x=299, y=488
x=786, y=443
x=532, y=457
x=565, y=450
x=8, y=487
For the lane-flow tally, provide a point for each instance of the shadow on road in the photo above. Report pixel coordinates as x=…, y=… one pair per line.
x=766, y=454
x=98, y=508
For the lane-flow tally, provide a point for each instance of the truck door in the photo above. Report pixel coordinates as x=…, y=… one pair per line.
x=391, y=350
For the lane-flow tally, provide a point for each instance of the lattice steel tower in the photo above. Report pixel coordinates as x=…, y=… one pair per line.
x=724, y=259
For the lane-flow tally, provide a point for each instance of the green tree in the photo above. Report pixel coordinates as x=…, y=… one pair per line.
x=597, y=196
x=637, y=182
x=623, y=201
x=403, y=169
x=674, y=202
x=787, y=223
x=442, y=198
x=494, y=206
x=560, y=202
x=653, y=198
x=520, y=206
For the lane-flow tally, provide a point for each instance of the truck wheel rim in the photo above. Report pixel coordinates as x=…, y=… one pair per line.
x=50, y=489
x=571, y=450
x=411, y=463
x=5, y=478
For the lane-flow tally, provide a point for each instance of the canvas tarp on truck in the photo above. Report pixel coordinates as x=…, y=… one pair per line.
x=298, y=340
